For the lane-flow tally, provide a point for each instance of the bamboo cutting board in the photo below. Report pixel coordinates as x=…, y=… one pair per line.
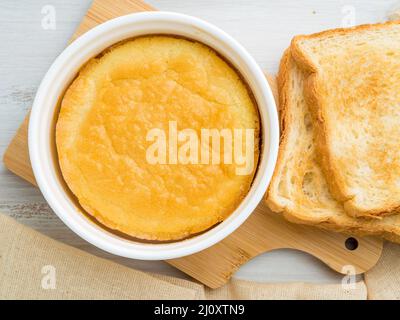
x=262, y=232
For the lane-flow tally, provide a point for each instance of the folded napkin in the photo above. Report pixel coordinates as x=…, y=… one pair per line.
x=33, y=266
x=383, y=281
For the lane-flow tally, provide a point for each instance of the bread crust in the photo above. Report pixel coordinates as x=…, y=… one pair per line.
x=315, y=97
x=388, y=228
x=270, y=198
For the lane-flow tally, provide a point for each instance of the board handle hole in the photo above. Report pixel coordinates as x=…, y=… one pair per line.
x=351, y=244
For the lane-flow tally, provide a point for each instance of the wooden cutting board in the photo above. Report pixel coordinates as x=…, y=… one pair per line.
x=263, y=231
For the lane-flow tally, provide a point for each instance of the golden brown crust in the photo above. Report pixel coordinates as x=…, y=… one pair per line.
x=304, y=62
x=388, y=228
x=101, y=137
x=283, y=92
x=315, y=97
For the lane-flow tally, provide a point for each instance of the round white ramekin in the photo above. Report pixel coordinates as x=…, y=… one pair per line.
x=45, y=108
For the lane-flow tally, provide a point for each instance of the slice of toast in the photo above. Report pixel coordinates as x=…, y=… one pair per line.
x=353, y=89
x=298, y=188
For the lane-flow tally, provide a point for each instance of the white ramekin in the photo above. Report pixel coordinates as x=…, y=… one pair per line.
x=64, y=69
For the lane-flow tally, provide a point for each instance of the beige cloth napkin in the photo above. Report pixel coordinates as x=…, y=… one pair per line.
x=383, y=281
x=28, y=259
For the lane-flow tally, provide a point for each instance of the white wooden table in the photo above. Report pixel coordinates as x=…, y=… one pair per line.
x=264, y=27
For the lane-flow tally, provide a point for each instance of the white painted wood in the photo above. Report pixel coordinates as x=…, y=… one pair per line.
x=264, y=27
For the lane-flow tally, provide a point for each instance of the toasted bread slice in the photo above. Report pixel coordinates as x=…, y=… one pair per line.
x=298, y=188
x=353, y=89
